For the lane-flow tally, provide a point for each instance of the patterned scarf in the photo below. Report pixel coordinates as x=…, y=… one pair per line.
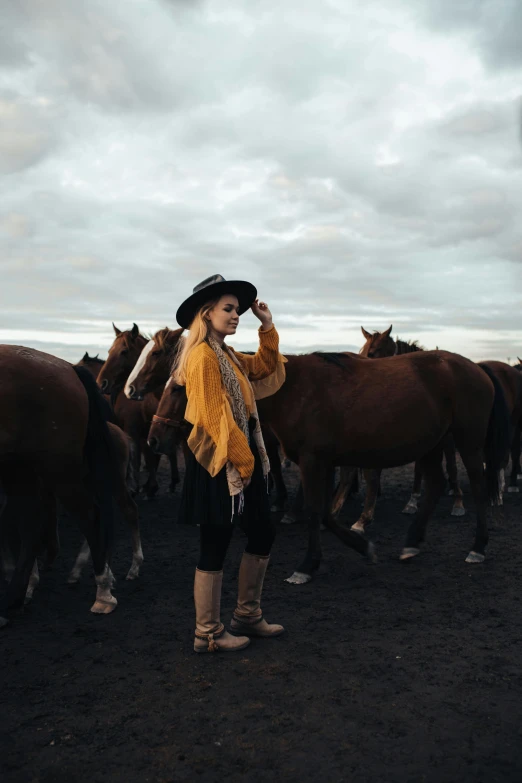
x=240, y=414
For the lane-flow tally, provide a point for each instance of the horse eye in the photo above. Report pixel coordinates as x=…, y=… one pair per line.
x=124, y=352
x=156, y=353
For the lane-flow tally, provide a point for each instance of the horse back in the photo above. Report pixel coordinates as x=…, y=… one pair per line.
x=43, y=405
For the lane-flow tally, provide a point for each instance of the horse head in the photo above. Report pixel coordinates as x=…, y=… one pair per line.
x=378, y=344
x=123, y=355
x=152, y=370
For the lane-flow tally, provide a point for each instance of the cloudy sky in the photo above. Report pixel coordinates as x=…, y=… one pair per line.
x=359, y=162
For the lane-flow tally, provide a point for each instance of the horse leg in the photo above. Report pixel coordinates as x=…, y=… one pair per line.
x=129, y=510
x=78, y=501
x=24, y=544
x=276, y=473
x=34, y=581
x=515, y=461
x=373, y=480
x=314, y=477
x=450, y=453
x=412, y=505
x=346, y=479
x=475, y=470
x=174, y=472
x=151, y=463
x=293, y=513
x=79, y=564
x=431, y=468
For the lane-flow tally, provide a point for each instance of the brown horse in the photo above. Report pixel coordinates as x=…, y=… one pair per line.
x=53, y=427
x=379, y=345
x=134, y=417
x=342, y=409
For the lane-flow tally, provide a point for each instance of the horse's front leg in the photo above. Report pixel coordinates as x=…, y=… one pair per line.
x=373, y=481
x=314, y=478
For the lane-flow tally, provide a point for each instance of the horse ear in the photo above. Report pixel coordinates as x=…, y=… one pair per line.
x=366, y=334
x=388, y=331
x=85, y=356
x=116, y=330
x=519, y=359
x=135, y=331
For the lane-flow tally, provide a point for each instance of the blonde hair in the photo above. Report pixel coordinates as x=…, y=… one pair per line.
x=198, y=332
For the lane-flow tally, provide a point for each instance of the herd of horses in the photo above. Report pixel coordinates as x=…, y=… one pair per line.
x=77, y=434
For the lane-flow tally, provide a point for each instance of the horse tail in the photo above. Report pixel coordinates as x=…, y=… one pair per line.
x=498, y=437
x=100, y=454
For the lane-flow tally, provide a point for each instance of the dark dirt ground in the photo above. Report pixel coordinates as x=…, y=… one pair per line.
x=393, y=672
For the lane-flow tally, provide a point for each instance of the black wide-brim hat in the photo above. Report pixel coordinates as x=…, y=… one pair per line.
x=214, y=288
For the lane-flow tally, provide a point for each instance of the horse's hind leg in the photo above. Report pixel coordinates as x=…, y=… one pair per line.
x=434, y=483
x=412, y=505
x=455, y=490
x=515, y=461
x=373, y=480
x=79, y=502
x=346, y=479
x=475, y=470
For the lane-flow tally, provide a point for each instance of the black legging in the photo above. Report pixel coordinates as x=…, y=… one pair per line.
x=214, y=541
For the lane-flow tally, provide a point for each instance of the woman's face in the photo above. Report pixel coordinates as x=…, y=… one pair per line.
x=223, y=317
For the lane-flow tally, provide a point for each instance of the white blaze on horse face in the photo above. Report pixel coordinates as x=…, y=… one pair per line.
x=138, y=367
x=168, y=382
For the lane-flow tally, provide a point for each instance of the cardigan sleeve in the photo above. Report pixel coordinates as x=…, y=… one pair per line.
x=264, y=362
x=211, y=412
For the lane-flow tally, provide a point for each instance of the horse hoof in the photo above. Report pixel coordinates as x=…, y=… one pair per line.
x=298, y=578
x=133, y=574
x=513, y=489
x=451, y=493
x=357, y=527
x=288, y=519
x=3, y=622
x=105, y=606
x=458, y=511
x=475, y=557
x=408, y=552
x=410, y=508
x=73, y=578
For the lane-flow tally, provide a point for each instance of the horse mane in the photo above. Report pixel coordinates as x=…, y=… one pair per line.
x=333, y=357
x=166, y=338
x=408, y=347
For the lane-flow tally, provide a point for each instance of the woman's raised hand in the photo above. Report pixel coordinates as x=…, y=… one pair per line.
x=261, y=311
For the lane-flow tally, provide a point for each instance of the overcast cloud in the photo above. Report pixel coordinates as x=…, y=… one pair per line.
x=359, y=163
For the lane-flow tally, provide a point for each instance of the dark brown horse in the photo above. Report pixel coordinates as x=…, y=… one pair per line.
x=54, y=440
x=342, y=409
x=133, y=416
x=379, y=345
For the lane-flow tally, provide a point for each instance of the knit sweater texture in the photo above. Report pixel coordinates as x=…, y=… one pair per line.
x=216, y=438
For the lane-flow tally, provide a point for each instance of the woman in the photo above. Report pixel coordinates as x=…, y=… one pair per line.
x=226, y=467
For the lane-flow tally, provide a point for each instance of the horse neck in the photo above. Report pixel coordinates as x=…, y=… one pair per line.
x=404, y=347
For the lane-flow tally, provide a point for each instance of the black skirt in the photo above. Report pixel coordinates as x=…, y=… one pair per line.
x=207, y=501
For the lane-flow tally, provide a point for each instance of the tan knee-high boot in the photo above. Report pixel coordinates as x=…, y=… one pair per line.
x=248, y=617
x=210, y=633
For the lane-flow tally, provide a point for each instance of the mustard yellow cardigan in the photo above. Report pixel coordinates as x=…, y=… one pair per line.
x=215, y=437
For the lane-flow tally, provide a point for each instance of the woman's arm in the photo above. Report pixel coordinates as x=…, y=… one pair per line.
x=264, y=362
